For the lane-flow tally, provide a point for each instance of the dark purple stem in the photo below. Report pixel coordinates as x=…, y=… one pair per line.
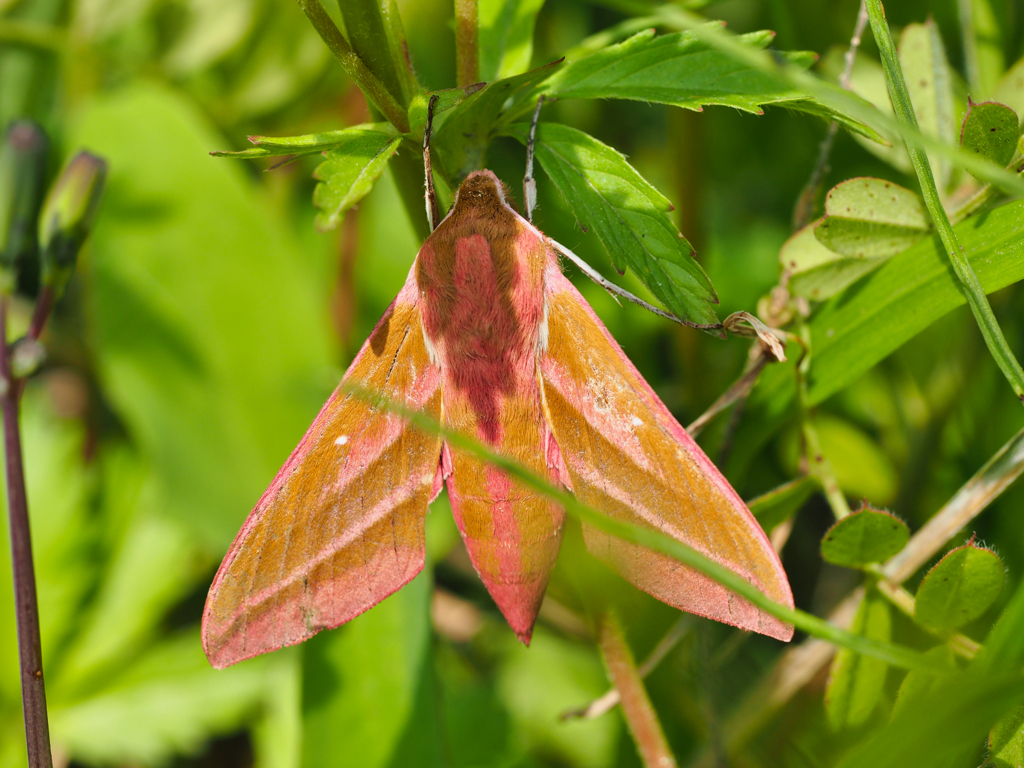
x=33, y=691
x=41, y=313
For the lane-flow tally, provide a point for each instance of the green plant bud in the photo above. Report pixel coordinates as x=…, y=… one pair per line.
x=22, y=173
x=67, y=216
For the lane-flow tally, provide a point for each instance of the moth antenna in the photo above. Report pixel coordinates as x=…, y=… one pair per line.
x=432, y=212
x=529, y=183
x=615, y=290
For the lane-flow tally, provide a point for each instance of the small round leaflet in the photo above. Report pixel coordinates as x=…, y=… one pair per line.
x=866, y=536
x=961, y=587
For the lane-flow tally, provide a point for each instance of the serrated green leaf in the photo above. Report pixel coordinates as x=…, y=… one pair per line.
x=677, y=69
x=680, y=70
x=864, y=537
x=856, y=682
x=779, y=504
x=864, y=132
x=871, y=218
x=1006, y=741
x=989, y=130
x=279, y=146
x=460, y=142
x=817, y=272
x=627, y=214
x=920, y=682
x=930, y=86
x=506, y=36
x=860, y=326
x=349, y=172
x=960, y=588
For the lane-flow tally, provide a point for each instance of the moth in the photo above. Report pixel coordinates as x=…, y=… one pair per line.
x=488, y=337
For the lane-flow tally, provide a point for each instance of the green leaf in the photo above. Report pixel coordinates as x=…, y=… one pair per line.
x=374, y=30
x=985, y=59
x=930, y=86
x=864, y=537
x=460, y=142
x=862, y=131
x=152, y=566
x=919, y=683
x=817, y=272
x=1006, y=741
x=856, y=682
x=940, y=727
x=862, y=469
x=206, y=315
x=780, y=504
x=681, y=70
x=449, y=98
x=960, y=588
x=871, y=218
x=568, y=673
x=1002, y=648
x=278, y=146
x=627, y=214
x=167, y=703
x=506, y=36
x=989, y=130
x=1010, y=90
x=867, y=80
x=361, y=681
x=349, y=172
x=867, y=321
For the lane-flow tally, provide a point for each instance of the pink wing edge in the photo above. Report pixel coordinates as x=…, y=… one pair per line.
x=557, y=282
x=228, y=654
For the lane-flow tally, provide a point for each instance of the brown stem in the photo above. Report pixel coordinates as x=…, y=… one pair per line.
x=611, y=698
x=354, y=67
x=41, y=313
x=738, y=391
x=467, y=59
x=33, y=691
x=636, y=706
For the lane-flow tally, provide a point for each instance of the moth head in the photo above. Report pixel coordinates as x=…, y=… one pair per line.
x=483, y=190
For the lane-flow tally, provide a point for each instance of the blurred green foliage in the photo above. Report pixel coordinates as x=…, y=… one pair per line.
x=209, y=320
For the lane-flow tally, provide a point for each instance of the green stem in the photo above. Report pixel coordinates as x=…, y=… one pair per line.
x=969, y=282
x=407, y=171
x=636, y=704
x=372, y=88
x=818, y=464
x=467, y=58
x=904, y=601
x=897, y=655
